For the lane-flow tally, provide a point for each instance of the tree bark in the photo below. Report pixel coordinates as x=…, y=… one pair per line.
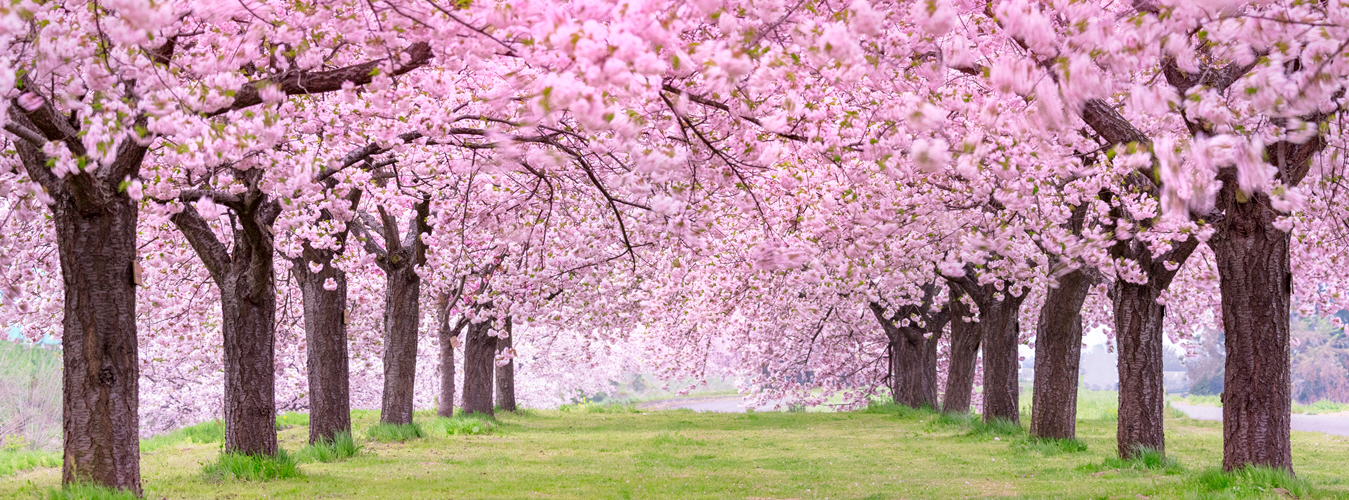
x=399, y=259
x=1138, y=334
x=1256, y=280
x=249, y=321
x=505, y=374
x=247, y=285
x=402, y=311
x=95, y=225
x=913, y=349
x=449, y=336
x=479, y=351
x=99, y=352
x=965, y=339
x=1000, y=322
x=1000, y=326
x=325, y=328
x=1058, y=352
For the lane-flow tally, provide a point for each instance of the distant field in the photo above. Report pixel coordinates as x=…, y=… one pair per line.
x=30, y=402
x=619, y=452
x=1321, y=407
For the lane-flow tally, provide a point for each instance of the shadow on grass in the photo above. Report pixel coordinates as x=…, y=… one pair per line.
x=238, y=466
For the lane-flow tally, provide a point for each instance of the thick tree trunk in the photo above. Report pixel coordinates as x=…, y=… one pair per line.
x=399, y=258
x=249, y=326
x=96, y=239
x=1138, y=334
x=965, y=339
x=505, y=374
x=325, y=329
x=913, y=370
x=479, y=351
x=913, y=331
x=1000, y=321
x=247, y=285
x=1058, y=352
x=101, y=373
x=402, y=312
x=1256, y=280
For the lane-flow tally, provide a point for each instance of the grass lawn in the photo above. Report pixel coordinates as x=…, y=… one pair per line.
x=619, y=452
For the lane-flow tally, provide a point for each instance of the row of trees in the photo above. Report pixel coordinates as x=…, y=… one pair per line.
x=776, y=180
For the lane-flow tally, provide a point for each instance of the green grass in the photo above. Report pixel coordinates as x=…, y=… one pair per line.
x=1197, y=400
x=12, y=461
x=458, y=426
x=880, y=452
x=290, y=419
x=1050, y=447
x=1148, y=460
x=30, y=397
x=237, y=466
x=998, y=428
x=341, y=447
x=86, y=492
x=206, y=432
x=388, y=433
x=1247, y=483
x=1319, y=407
x=592, y=407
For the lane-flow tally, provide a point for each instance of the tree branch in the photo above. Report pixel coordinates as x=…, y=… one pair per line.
x=202, y=238
x=303, y=83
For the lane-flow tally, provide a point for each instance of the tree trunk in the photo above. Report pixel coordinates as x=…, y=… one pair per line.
x=505, y=374
x=913, y=331
x=448, y=336
x=402, y=310
x=999, y=319
x=929, y=371
x=479, y=351
x=1058, y=352
x=247, y=283
x=965, y=339
x=913, y=370
x=325, y=328
x=1138, y=334
x=96, y=239
x=249, y=325
x=399, y=258
x=101, y=373
x=1256, y=281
